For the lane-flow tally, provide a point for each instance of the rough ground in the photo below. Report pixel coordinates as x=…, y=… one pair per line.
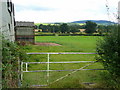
x=47, y=44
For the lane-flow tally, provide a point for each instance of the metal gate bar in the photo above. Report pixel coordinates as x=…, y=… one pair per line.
x=58, y=62
x=48, y=62
x=63, y=70
x=60, y=53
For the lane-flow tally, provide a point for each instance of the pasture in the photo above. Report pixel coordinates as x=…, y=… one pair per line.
x=68, y=44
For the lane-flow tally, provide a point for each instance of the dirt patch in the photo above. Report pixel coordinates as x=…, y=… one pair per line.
x=47, y=44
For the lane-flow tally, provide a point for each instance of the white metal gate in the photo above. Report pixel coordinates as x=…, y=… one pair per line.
x=48, y=64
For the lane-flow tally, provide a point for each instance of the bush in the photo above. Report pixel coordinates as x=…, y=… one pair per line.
x=11, y=53
x=106, y=80
x=109, y=51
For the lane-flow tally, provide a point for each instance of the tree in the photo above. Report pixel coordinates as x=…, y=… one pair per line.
x=36, y=27
x=74, y=28
x=64, y=28
x=43, y=27
x=82, y=27
x=108, y=49
x=49, y=28
x=90, y=27
x=56, y=28
x=40, y=26
x=108, y=28
x=100, y=29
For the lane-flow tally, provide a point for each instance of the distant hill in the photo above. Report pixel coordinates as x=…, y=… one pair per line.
x=104, y=22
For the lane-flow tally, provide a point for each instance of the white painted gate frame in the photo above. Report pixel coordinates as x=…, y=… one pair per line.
x=48, y=64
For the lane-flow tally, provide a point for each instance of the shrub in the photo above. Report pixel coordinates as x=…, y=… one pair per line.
x=11, y=53
x=109, y=51
x=107, y=81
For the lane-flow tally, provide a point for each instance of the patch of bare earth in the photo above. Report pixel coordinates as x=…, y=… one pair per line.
x=47, y=44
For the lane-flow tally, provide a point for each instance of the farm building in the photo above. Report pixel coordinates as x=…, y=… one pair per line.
x=24, y=32
x=7, y=20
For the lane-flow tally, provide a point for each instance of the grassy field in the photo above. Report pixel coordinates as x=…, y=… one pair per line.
x=68, y=44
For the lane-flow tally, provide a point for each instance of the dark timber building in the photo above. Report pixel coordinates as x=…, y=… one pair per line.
x=24, y=32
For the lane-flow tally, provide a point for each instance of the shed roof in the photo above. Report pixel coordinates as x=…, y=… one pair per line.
x=22, y=23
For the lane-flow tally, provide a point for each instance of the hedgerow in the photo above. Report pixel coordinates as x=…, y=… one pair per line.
x=109, y=51
x=12, y=55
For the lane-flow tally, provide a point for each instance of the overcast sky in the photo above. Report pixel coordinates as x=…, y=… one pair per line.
x=44, y=11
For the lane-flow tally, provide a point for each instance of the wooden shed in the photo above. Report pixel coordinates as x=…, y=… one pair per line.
x=24, y=32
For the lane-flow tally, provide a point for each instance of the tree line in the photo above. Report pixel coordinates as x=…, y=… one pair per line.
x=89, y=27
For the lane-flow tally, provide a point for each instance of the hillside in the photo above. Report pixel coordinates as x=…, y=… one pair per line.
x=104, y=22
x=81, y=22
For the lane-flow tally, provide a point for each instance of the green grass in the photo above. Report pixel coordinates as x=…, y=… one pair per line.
x=68, y=44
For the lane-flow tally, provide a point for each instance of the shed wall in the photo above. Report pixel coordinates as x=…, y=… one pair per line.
x=25, y=32
x=7, y=20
